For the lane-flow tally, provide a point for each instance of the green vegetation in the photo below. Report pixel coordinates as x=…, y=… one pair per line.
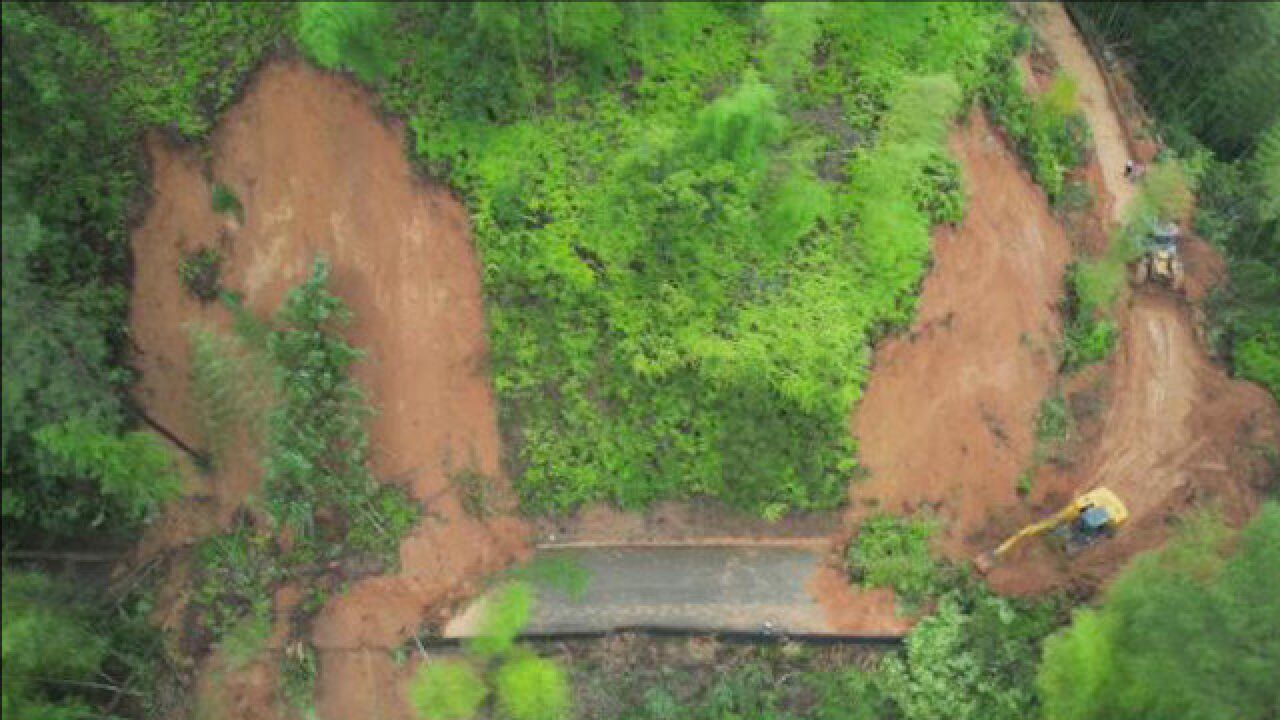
x=346, y=36
x=316, y=461
x=890, y=551
x=46, y=645
x=201, y=273
x=1186, y=632
x=1049, y=131
x=230, y=388
x=68, y=652
x=523, y=685
x=447, y=690
x=238, y=573
x=532, y=688
x=298, y=678
x=476, y=492
x=668, y=236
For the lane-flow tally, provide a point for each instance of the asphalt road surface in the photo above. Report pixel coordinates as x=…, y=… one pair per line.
x=704, y=588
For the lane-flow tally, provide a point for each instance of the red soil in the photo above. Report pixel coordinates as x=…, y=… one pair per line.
x=946, y=420
x=318, y=172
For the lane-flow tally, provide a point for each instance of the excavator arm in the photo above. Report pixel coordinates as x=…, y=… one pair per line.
x=1065, y=515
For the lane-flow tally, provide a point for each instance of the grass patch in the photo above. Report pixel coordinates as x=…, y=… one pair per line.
x=562, y=574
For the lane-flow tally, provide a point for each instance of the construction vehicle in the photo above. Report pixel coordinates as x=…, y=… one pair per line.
x=1087, y=519
x=1160, y=261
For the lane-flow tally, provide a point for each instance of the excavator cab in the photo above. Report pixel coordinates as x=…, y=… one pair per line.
x=1085, y=520
x=1160, y=261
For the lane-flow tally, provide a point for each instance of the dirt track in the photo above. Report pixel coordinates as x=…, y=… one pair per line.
x=318, y=172
x=1174, y=431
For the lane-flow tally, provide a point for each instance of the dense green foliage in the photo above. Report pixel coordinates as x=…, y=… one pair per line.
x=890, y=551
x=1187, y=632
x=346, y=36
x=1206, y=68
x=47, y=647
x=974, y=659
x=447, y=690
x=532, y=688
x=685, y=260
x=69, y=653
x=80, y=84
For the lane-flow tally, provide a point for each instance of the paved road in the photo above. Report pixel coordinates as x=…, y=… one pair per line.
x=684, y=587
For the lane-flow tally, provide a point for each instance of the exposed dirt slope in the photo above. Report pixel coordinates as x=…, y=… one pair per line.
x=318, y=172
x=946, y=419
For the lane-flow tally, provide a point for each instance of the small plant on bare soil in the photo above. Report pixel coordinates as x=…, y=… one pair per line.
x=201, y=273
x=225, y=202
x=475, y=491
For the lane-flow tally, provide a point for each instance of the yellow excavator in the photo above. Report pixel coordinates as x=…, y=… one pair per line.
x=1085, y=520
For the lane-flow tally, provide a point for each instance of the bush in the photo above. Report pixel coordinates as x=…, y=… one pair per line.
x=893, y=552
x=347, y=36
x=974, y=659
x=447, y=690
x=237, y=573
x=201, y=272
x=532, y=688
x=50, y=650
x=225, y=202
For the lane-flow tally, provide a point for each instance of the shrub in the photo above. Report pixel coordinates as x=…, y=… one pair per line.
x=347, y=36
x=201, y=274
x=447, y=690
x=939, y=190
x=505, y=615
x=237, y=572
x=532, y=688
x=298, y=677
x=225, y=202
x=893, y=552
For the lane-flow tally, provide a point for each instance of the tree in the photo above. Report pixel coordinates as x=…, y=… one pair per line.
x=447, y=690
x=50, y=652
x=532, y=688
x=1189, y=631
x=347, y=36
